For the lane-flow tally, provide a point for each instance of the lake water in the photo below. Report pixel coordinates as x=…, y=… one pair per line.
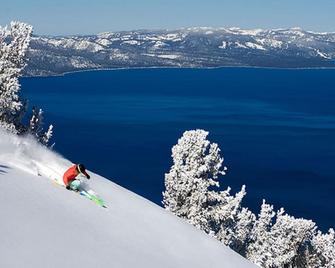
x=276, y=128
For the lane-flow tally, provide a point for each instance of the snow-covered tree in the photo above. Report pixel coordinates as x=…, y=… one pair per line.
x=234, y=221
x=244, y=224
x=322, y=251
x=14, y=43
x=279, y=241
x=272, y=240
x=289, y=238
x=258, y=246
x=196, y=167
x=35, y=123
x=45, y=139
x=193, y=193
x=36, y=127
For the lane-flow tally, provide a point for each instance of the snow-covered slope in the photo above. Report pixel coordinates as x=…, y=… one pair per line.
x=44, y=225
x=191, y=47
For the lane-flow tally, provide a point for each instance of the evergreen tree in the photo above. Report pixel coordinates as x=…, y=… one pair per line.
x=272, y=240
x=257, y=249
x=192, y=191
x=196, y=166
x=279, y=241
x=245, y=221
x=289, y=238
x=45, y=138
x=36, y=127
x=322, y=251
x=14, y=43
x=227, y=213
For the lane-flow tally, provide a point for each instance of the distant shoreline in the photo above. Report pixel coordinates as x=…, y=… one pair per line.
x=178, y=67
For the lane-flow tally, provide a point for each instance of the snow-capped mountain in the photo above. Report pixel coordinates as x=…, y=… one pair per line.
x=191, y=47
x=44, y=225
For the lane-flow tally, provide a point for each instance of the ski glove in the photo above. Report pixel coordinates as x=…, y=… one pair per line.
x=68, y=187
x=88, y=177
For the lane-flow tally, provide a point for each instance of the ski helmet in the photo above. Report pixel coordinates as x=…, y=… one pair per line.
x=81, y=168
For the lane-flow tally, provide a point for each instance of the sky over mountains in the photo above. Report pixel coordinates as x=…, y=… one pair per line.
x=90, y=17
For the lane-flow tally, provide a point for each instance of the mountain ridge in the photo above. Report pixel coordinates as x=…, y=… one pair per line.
x=195, y=47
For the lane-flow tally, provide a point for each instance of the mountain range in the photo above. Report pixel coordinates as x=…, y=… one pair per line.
x=200, y=47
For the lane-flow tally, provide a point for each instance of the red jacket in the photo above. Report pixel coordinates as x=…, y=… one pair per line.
x=71, y=174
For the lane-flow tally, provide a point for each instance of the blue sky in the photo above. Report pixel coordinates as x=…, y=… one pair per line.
x=93, y=16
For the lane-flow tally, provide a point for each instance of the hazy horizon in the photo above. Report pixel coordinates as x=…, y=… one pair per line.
x=182, y=28
x=85, y=17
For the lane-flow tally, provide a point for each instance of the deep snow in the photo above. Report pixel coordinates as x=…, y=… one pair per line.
x=44, y=225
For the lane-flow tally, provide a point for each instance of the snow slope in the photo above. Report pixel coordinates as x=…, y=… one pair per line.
x=44, y=225
x=194, y=47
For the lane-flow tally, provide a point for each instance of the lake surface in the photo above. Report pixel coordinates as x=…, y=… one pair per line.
x=276, y=128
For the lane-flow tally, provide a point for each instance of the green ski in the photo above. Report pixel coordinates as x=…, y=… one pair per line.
x=92, y=196
x=88, y=194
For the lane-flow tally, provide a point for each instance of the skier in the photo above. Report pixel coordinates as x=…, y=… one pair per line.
x=70, y=175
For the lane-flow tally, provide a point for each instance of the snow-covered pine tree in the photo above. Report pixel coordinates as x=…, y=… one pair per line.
x=36, y=127
x=228, y=216
x=244, y=224
x=192, y=191
x=257, y=249
x=280, y=241
x=322, y=250
x=45, y=139
x=289, y=239
x=192, y=178
x=35, y=123
x=14, y=43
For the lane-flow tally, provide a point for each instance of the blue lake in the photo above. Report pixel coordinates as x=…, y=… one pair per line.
x=276, y=128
